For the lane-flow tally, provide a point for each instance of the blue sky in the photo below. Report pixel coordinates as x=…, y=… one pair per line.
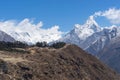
x=64, y=13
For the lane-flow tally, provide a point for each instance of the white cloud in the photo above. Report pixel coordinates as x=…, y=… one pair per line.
x=111, y=14
x=29, y=32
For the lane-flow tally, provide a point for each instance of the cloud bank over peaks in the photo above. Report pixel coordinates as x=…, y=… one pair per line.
x=27, y=31
x=112, y=14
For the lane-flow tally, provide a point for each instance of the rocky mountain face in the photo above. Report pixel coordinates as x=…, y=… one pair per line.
x=104, y=38
x=111, y=54
x=67, y=63
x=90, y=36
x=5, y=37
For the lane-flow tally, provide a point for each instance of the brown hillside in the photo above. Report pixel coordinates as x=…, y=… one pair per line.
x=67, y=63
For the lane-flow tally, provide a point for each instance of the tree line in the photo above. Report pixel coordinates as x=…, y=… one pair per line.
x=55, y=45
x=19, y=44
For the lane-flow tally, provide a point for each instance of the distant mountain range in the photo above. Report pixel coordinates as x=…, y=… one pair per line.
x=90, y=36
x=103, y=42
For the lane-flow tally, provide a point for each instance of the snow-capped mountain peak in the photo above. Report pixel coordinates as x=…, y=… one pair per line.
x=90, y=36
x=80, y=34
x=91, y=21
x=29, y=32
x=87, y=29
x=92, y=24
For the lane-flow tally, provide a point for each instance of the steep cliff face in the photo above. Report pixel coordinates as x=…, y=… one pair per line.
x=67, y=63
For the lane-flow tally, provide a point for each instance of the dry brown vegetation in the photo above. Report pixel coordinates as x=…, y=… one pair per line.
x=67, y=63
